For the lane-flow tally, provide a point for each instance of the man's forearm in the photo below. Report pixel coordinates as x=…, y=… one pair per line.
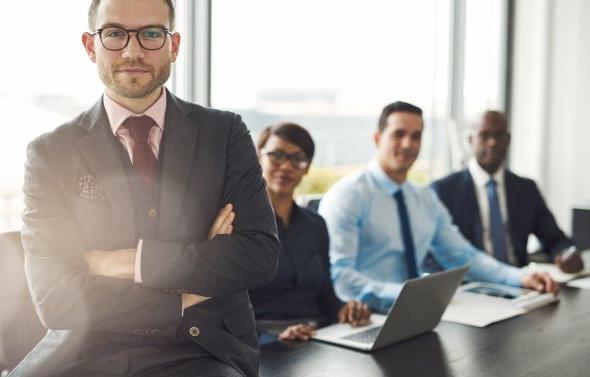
x=119, y=264
x=210, y=268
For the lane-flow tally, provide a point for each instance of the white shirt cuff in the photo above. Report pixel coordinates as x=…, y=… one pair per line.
x=137, y=274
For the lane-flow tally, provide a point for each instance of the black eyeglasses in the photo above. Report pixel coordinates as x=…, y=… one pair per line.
x=298, y=160
x=116, y=38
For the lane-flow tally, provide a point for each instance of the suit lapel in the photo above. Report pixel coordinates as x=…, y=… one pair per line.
x=511, y=200
x=472, y=206
x=101, y=153
x=180, y=142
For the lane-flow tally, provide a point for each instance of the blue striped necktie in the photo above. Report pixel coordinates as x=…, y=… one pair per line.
x=497, y=230
x=404, y=220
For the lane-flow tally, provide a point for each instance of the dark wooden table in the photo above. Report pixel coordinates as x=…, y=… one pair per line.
x=550, y=341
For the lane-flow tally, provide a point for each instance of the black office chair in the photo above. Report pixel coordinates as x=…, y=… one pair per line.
x=310, y=201
x=20, y=327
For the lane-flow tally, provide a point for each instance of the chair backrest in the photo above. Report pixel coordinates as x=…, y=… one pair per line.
x=12, y=269
x=310, y=201
x=20, y=327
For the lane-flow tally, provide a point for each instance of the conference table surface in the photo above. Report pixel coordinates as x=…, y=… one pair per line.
x=551, y=341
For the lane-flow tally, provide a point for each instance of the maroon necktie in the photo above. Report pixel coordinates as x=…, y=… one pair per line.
x=144, y=160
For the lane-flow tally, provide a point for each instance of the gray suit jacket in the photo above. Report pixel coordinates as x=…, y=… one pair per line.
x=209, y=160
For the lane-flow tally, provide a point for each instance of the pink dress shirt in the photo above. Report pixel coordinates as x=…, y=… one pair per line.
x=117, y=115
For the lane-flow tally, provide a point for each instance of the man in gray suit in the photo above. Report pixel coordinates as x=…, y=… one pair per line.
x=124, y=265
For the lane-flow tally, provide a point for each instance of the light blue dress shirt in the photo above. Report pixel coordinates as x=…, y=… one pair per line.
x=366, y=246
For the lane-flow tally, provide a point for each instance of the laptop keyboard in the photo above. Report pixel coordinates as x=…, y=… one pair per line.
x=367, y=336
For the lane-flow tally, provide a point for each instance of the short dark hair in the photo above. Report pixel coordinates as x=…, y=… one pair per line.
x=397, y=107
x=94, y=5
x=291, y=132
x=496, y=117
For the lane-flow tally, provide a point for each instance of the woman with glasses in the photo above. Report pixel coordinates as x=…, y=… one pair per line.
x=301, y=296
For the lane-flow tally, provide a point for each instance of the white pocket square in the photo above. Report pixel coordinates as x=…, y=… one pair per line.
x=89, y=188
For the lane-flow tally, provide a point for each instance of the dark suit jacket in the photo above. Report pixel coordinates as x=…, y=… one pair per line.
x=209, y=160
x=527, y=213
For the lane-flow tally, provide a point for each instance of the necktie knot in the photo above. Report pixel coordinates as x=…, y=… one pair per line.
x=139, y=128
x=492, y=184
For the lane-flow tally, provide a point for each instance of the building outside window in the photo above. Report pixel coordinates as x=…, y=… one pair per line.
x=331, y=66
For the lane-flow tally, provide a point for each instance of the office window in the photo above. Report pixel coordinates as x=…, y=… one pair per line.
x=485, y=56
x=329, y=65
x=332, y=66
x=46, y=80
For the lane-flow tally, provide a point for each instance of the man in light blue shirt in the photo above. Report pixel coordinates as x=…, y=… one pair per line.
x=382, y=227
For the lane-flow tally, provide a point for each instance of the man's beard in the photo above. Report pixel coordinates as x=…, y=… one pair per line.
x=132, y=88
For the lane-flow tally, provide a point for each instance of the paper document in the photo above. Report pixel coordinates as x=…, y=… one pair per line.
x=555, y=272
x=481, y=304
x=583, y=283
x=479, y=314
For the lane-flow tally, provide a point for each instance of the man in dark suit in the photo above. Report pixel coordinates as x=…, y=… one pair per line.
x=497, y=210
x=124, y=265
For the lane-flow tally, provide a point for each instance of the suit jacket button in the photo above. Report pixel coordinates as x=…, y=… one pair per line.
x=137, y=332
x=155, y=332
x=152, y=213
x=194, y=331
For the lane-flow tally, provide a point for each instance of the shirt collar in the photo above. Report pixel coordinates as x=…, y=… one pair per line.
x=293, y=217
x=481, y=177
x=383, y=180
x=117, y=113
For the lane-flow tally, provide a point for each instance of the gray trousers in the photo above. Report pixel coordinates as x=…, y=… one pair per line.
x=67, y=353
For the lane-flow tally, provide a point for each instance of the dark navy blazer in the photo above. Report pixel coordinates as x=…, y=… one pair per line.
x=527, y=213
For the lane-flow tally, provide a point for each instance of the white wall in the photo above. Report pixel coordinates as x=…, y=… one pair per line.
x=551, y=101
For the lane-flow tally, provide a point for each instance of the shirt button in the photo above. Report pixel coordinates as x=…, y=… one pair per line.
x=194, y=331
x=152, y=213
x=155, y=332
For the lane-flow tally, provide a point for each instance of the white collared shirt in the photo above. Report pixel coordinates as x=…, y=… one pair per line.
x=117, y=114
x=480, y=179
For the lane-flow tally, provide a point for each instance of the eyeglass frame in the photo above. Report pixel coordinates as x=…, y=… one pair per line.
x=287, y=157
x=136, y=31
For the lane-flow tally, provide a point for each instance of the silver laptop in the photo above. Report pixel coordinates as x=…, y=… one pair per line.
x=418, y=309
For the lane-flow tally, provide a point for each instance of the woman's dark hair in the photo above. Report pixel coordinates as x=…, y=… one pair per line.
x=290, y=132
